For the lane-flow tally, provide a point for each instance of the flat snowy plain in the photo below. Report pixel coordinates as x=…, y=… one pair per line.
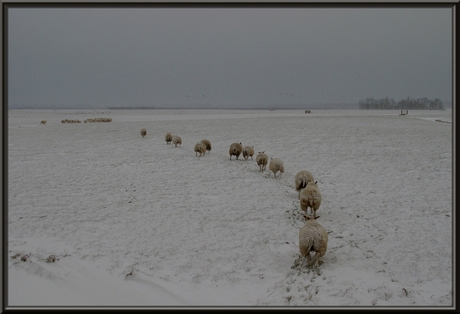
x=133, y=221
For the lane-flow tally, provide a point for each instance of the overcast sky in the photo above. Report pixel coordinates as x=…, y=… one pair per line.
x=99, y=57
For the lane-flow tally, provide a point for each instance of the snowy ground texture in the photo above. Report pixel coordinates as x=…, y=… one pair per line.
x=99, y=216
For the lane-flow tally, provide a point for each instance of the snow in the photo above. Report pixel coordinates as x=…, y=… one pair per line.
x=133, y=221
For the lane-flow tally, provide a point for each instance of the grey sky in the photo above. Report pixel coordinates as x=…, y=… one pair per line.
x=190, y=56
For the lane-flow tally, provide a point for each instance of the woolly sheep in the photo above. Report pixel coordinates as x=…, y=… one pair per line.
x=109, y=119
x=248, y=151
x=177, y=140
x=262, y=160
x=207, y=144
x=276, y=165
x=235, y=150
x=312, y=237
x=143, y=132
x=310, y=197
x=168, y=138
x=62, y=121
x=301, y=180
x=200, y=148
x=43, y=122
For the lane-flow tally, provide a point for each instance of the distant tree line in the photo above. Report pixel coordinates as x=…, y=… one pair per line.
x=406, y=104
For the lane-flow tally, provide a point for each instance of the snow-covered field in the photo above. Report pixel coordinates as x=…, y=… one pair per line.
x=132, y=221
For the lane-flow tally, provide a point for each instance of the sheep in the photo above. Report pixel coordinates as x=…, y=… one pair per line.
x=62, y=121
x=312, y=237
x=248, y=151
x=310, y=197
x=207, y=144
x=109, y=119
x=262, y=160
x=43, y=122
x=85, y=121
x=177, y=140
x=168, y=138
x=235, y=150
x=143, y=132
x=301, y=180
x=67, y=120
x=276, y=165
x=200, y=148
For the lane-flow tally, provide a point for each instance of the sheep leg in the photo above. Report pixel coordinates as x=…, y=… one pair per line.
x=316, y=261
x=308, y=259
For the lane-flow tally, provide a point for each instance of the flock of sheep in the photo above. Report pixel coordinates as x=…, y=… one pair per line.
x=312, y=236
x=85, y=121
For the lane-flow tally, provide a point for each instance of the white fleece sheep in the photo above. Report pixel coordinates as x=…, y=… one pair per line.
x=207, y=144
x=235, y=150
x=248, y=151
x=177, y=140
x=312, y=237
x=143, y=132
x=168, y=138
x=262, y=160
x=276, y=165
x=301, y=180
x=310, y=197
x=200, y=148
